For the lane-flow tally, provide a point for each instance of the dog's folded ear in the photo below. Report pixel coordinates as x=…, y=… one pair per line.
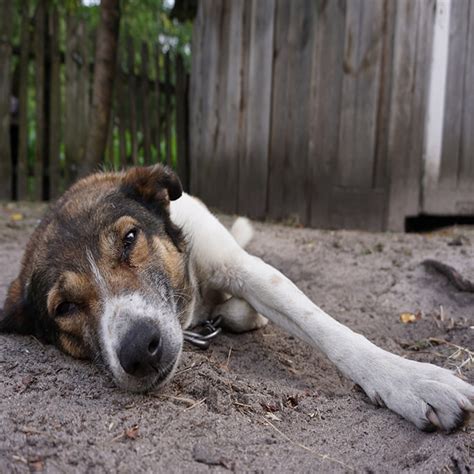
x=156, y=184
x=15, y=318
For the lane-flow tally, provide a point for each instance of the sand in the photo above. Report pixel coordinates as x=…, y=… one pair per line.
x=261, y=401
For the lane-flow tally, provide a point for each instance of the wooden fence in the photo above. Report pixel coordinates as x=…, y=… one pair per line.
x=317, y=111
x=45, y=96
x=449, y=186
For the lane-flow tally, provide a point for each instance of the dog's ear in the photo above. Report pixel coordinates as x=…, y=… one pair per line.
x=156, y=184
x=15, y=316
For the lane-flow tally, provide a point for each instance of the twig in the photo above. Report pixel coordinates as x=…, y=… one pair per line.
x=19, y=458
x=200, y=402
x=453, y=276
x=243, y=405
x=323, y=457
x=443, y=341
x=228, y=358
x=188, y=401
x=186, y=369
x=459, y=352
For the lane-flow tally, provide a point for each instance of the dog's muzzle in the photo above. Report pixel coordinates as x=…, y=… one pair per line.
x=141, y=350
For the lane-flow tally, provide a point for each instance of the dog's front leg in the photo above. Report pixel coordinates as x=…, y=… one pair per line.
x=427, y=395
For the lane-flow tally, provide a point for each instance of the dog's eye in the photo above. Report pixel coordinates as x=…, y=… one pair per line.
x=66, y=308
x=130, y=238
x=128, y=242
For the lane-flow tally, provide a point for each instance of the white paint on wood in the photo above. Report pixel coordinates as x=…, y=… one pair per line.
x=437, y=92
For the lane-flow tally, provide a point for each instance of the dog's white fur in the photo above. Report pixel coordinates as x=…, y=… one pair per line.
x=421, y=393
x=119, y=313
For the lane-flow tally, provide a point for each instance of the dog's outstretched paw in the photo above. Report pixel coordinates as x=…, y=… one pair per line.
x=238, y=316
x=430, y=397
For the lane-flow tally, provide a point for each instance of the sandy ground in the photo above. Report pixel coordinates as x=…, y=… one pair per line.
x=259, y=402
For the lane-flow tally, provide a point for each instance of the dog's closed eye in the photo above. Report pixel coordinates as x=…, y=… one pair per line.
x=66, y=308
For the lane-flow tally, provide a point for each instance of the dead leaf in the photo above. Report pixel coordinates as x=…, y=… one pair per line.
x=132, y=433
x=409, y=318
x=16, y=217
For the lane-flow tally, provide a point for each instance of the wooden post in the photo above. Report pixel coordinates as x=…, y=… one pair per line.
x=253, y=170
x=121, y=113
x=145, y=118
x=168, y=108
x=54, y=104
x=181, y=95
x=5, y=98
x=110, y=155
x=39, y=49
x=22, y=162
x=77, y=95
x=158, y=101
x=133, y=102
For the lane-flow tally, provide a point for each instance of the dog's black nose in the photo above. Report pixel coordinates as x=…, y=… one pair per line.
x=141, y=349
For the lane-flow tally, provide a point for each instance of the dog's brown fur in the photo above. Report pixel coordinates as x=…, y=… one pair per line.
x=57, y=296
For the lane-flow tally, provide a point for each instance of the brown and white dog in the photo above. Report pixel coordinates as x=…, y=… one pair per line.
x=124, y=262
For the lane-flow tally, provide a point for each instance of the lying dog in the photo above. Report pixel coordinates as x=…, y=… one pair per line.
x=124, y=262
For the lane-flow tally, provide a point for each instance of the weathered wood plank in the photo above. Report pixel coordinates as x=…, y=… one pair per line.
x=380, y=171
x=453, y=114
x=424, y=43
x=279, y=135
x=5, y=95
x=196, y=98
x=325, y=100
x=411, y=72
x=357, y=208
x=231, y=102
x=145, y=116
x=466, y=165
x=109, y=158
x=401, y=113
x=362, y=56
x=168, y=109
x=244, y=95
x=301, y=38
x=54, y=105
x=40, y=117
x=203, y=90
x=253, y=171
x=132, y=99
x=22, y=159
x=77, y=95
x=218, y=194
x=121, y=106
x=181, y=96
x=158, y=108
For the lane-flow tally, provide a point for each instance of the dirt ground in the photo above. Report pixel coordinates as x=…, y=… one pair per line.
x=258, y=402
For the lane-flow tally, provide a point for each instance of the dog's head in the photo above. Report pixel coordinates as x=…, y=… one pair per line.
x=105, y=276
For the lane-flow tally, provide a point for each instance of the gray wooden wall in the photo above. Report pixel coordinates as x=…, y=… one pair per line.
x=452, y=192
x=315, y=110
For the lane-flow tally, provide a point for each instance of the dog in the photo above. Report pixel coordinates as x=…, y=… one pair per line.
x=124, y=262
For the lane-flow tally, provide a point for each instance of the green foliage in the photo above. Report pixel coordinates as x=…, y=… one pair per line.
x=145, y=21
x=148, y=20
